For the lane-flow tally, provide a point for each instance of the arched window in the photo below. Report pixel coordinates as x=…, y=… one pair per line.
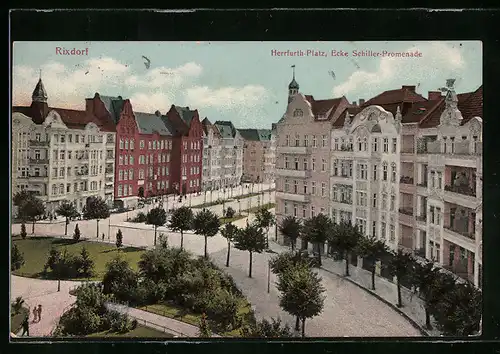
x=298, y=113
x=61, y=188
x=54, y=189
x=393, y=172
x=365, y=144
x=385, y=171
x=360, y=145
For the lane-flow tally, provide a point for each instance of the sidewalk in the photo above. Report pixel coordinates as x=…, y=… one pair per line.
x=152, y=320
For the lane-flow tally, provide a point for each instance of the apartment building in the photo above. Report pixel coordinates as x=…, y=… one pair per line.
x=231, y=154
x=60, y=154
x=303, y=154
x=259, y=155
x=212, y=170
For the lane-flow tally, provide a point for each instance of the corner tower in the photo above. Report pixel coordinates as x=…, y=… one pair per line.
x=293, y=87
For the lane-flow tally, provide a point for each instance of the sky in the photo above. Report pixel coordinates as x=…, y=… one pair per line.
x=238, y=81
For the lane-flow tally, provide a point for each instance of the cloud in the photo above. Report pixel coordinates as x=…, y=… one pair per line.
x=149, y=103
x=226, y=97
x=161, y=77
x=437, y=58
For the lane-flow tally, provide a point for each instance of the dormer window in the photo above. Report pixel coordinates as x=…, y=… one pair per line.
x=298, y=113
x=321, y=116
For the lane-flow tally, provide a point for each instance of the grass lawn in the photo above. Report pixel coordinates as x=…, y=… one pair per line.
x=257, y=208
x=139, y=332
x=209, y=204
x=180, y=314
x=16, y=320
x=234, y=218
x=36, y=251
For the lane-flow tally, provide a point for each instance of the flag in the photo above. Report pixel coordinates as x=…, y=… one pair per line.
x=293, y=66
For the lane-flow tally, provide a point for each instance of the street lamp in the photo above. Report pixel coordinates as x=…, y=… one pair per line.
x=239, y=205
x=268, y=276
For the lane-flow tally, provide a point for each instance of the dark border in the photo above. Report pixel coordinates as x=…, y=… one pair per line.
x=301, y=25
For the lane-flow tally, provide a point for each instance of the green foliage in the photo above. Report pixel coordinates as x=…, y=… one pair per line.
x=343, y=239
x=76, y=234
x=86, y=264
x=371, y=249
x=291, y=228
x=140, y=217
x=230, y=213
x=17, y=305
x=16, y=258
x=206, y=223
x=21, y=197
x=222, y=309
x=229, y=231
x=250, y=239
x=117, y=322
x=283, y=262
x=120, y=280
x=157, y=217
x=95, y=208
x=68, y=211
x=23, y=231
x=119, y=239
x=181, y=221
x=204, y=328
x=163, y=240
x=264, y=218
x=268, y=329
x=401, y=265
x=30, y=209
x=65, y=265
x=316, y=231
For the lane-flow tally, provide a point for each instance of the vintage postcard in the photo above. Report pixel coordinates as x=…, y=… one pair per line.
x=168, y=190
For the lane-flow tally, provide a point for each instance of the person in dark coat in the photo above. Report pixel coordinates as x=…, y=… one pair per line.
x=26, y=327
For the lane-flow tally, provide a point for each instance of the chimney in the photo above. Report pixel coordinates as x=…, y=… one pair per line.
x=158, y=113
x=354, y=103
x=409, y=88
x=361, y=101
x=187, y=108
x=434, y=95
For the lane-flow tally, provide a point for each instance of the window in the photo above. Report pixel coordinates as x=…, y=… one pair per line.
x=322, y=211
x=296, y=187
x=63, y=138
x=393, y=172
x=323, y=165
x=386, y=145
x=120, y=190
x=431, y=212
x=296, y=163
x=126, y=144
x=313, y=163
x=383, y=230
x=362, y=171
x=360, y=145
x=315, y=142
x=287, y=141
x=131, y=174
x=374, y=200
x=154, y=145
x=313, y=188
x=394, y=145
x=336, y=143
x=305, y=165
x=125, y=160
x=313, y=211
x=392, y=235
x=439, y=180
x=393, y=202
x=384, y=201
x=61, y=172
x=374, y=228
x=324, y=141
x=141, y=144
x=384, y=171
x=361, y=224
x=120, y=160
x=287, y=163
x=149, y=145
x=335, y=167
x=306, y=140
x=62, y=154
x=438, y=216
x=305, y=187
x=121, y=143
x=304, y=211
x=295, y=209
x=433, y=176
x=285, y=208
x=298, y=113
x=120, y=175
x=375, y=145
x=365, y=144
x=131, y=160
x=297, y=140
x=374, y=172
x=132, y=144
x=323, y=189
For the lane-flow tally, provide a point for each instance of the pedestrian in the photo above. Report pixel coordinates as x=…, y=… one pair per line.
x=39, y=313
x=26, y=326
x=103, y=236
x=35, y=314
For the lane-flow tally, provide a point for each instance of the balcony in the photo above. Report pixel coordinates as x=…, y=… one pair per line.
x=422, y=184
x=406, y=180
x=301, y=198
x=406, y=185
x=294, y=150
x=37, y=178
x=460, y=236
x=39, y=161
x=406, y=216
x=478, y=147
x=342, y=201
x=407, y=150
x=110, y=142
x=283, y=172
x=461, y=195
x=34, y=143
x=461, y=189
x=422, y=217
x=406, y=211
x=109, y=171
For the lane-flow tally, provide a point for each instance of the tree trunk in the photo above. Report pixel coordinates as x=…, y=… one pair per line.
x=347, y=264
x=66, y=227
x=292, y=242
x=97, y=228
x=428, y=324
x=250, y=266
x=400, y=303
x=154, y=243
x=319, y=255
x=206, y=241
x=33, y=226
x=228, y=253
x=267, y=240
x=373, y=277
x=182, y=240
x=297, y=323
x=303, y=327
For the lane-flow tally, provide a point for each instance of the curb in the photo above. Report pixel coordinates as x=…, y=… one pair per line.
x=398, y=310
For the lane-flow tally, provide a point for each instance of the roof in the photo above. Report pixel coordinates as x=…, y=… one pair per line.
x=226, y=129
x=114, y=105
x=255, y=134
x=391, y=97
x=293, y=84
x=186, y=114
x=149, y=123
x=320, y=107
x=353, y=110
x=39, y=93
x=470, y=104
x=420, y=110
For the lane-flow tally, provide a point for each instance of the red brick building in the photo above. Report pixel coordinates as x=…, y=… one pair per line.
x=187, y=151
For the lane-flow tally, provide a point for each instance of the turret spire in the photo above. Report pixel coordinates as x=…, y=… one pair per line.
x=39, y=93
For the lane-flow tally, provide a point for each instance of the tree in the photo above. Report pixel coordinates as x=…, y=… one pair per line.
x=282, y=262
x=181, y=220
x=157, y=217
x=316, y=230
x=301, y=293
x=291, y=228
x=68, y=211
x=31, y=209
x=16, y=258
x=119, y=279
x=230, y=213
x=21, y=197
x=250, y=239
x=424, y=279
x=228, y=232
x=400, y=265
x=163, y=240
x=265, y=219
x=344, y=239
x=371, y=249
x=97, y=209
x=86, y=263
x=204, y=328
x=18, y=305
x=206, y=223
x=119, y=239
x=76, y=234
x=23, y=231
x=273, y=328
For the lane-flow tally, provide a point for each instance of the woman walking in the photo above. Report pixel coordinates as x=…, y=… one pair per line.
x=39, y=310
x=35, y=314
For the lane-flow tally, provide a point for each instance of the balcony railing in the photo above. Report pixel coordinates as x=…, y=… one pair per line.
x=406, y=211
x=461, y=230
x=422, y=217
x=455, y=148
x=39, y=161
x=109, y=171
x=407, y=150
x=406, y=180
x=422, y=184
x=343, y=201
x=461, y=189
x=39, y=143
x=346, y=148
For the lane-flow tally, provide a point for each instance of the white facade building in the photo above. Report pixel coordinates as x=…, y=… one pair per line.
x=211, y=164
x=231, y=154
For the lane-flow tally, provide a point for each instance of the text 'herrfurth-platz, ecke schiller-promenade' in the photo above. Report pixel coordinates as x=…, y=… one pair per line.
x=339, y=219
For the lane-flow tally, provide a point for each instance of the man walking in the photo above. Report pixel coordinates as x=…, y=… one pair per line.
x=35, y=314
x=39, y=313
x=26, y=327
